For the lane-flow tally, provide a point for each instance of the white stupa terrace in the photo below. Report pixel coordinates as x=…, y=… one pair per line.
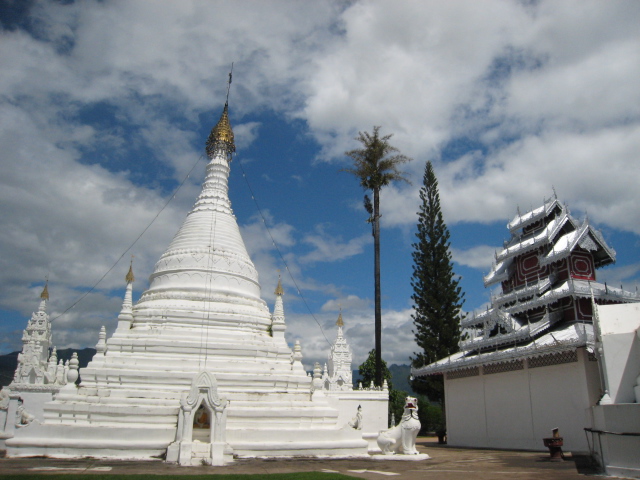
x=198, y=369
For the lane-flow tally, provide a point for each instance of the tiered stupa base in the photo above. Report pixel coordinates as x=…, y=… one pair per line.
x=127, y=427
x=129, y=401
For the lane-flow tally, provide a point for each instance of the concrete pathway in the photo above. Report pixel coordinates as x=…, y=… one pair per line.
x=446, y=463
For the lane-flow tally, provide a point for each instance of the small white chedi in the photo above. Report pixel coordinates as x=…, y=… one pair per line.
x=38, y=377
x=198, y=369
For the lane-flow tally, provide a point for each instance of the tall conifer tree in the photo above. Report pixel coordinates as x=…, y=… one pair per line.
x=437, y=296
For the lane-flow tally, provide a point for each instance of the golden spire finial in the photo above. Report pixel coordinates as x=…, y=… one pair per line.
x=279, y=289
x=221, y=136
x=130, y=278
x=340, y=323
x=45, y=291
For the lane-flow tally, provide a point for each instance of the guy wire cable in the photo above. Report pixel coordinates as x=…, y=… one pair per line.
x=173, y=195
x=264, y=221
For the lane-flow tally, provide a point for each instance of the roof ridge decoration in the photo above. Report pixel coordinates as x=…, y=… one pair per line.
x=579, y=237
x=546, y=235
x=521, y=221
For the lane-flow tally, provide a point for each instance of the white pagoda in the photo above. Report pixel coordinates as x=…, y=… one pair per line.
x=527, y=364
x=338, y=375
x=198, y=369
x=38, y=377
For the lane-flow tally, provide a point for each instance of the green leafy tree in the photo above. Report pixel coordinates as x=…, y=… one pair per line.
x=376, y=166
x=367, y=372
x=437, y=296
x=430, y=415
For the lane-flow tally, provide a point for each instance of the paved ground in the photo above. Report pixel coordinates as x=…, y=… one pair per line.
x=446, y=463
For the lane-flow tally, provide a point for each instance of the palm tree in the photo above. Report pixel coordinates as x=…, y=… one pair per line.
x=376, y=165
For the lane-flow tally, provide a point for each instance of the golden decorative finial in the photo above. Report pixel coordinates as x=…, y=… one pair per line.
x=340, y=323
x=221, y=136
x=45, y=291
x=130, y=278
x=279, y=289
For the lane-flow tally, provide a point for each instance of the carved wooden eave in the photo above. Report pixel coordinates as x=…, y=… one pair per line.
x=569, y=288
x=567, y=339
x=588, y=239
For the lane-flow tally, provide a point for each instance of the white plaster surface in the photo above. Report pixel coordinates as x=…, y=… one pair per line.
x=517, y=409
x=621, y=348
x=619, y=453
x=201, y=313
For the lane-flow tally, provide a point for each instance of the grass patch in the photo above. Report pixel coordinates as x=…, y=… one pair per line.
x=259, y=476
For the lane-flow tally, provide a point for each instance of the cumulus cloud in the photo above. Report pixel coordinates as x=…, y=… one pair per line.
x=330, y=248
x=479, y=257
x=102, y=107
x=349, y=302
x=317, y=333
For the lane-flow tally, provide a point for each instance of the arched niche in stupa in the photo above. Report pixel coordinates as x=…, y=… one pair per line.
x=202, y=423
x=202, y=419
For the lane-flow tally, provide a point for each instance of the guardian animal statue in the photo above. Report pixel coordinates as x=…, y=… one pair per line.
x=402, y=437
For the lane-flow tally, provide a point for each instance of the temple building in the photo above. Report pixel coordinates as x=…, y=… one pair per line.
x=527, y=365
x=198, y=369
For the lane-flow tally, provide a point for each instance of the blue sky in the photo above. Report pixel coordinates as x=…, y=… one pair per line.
x=105, y=107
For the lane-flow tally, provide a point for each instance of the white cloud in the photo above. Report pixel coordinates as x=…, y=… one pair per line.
x=245, y=134
x=545, y=92
x=316, y=337
x=592, y=172
x=556, y=79
x=70, y=222
x=331, y=248
x=349, y=302
x=479, y=257
x=624, y=276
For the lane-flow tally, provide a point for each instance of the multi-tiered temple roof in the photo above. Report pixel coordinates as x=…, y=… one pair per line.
x=547, y=277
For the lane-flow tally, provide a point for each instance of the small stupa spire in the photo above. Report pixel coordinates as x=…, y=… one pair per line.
x=221, y=137
x=129, y=278
x=44, y=297
x=278, y=326
x=279, y=290
x=45, y=291
x=340, y=322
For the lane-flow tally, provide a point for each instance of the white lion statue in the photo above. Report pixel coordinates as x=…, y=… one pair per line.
x=402, y=437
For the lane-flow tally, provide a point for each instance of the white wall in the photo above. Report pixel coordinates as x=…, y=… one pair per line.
x=620, y=454
x=516, y=410
x=375, y=409
x=618, y=325
x=466, y=412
